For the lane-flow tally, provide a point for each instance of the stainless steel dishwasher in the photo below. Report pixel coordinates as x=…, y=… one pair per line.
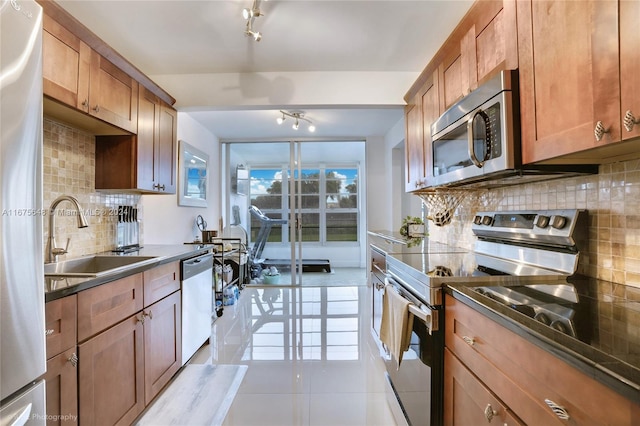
x=197, y=302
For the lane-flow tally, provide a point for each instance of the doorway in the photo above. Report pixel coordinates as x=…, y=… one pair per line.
x=311, y=191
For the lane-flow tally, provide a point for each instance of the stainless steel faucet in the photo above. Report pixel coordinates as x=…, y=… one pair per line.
x=55, y=251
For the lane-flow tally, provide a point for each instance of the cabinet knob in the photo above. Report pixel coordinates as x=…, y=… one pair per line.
x=49, y=332
x=85, y=103
x=489, y=413
x=140, y=318
x=96, y=108
x=630, y=120
x=600, y=131
x=558, y=410
x=73, y=359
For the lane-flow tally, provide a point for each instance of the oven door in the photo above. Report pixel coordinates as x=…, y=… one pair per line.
x=414, y=390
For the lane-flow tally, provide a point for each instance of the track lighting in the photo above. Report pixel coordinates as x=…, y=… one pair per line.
x=297, y=116
x=249, y=15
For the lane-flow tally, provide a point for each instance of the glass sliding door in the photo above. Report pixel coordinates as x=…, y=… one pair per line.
x=310, y=195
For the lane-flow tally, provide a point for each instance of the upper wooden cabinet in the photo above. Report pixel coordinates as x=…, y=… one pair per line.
x=81, y=78
x=579, y=75
x=147, y=161
x=483, y=43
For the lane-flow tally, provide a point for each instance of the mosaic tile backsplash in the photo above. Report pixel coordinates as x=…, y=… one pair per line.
x=612, y=198
x=69, y=169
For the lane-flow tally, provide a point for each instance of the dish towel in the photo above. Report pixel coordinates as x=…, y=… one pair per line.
x=396, y=324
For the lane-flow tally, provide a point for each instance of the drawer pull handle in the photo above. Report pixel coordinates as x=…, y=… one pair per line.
x=73, y=359
x=558, y=410
x=469, y=340
x=489, y=413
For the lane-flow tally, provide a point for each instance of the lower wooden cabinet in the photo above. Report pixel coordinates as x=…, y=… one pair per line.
x=530, y=382
x=127, y=350
x=62, y=389
x=111, y=375
x=162, y=344
x=467, y=401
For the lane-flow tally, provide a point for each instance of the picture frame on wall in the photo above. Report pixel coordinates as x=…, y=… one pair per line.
x=193, y=176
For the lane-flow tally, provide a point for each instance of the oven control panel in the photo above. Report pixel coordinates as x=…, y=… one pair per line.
x=562, y=227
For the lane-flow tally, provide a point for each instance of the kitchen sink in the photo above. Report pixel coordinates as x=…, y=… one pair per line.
x=95, y=266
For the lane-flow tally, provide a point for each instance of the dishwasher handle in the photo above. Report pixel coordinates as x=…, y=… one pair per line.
x=196, y=265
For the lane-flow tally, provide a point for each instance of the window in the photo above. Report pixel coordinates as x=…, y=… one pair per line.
x=327, y=198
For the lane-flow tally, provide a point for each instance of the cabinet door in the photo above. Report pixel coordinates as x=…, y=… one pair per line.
x=467, y=401
x=162, y=344
x=430, y=113
x=160, y=282
x=147, y=139
x=60, y=317
x=630, y=64
x=568, y=58
x=62, y=389
x=111, y=375
x=65, y=65
x=113, y=94
x=167, y=149
x=103, y=306
x=414, y=147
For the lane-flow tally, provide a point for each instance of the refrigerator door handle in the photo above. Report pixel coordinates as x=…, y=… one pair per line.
x=22, y=417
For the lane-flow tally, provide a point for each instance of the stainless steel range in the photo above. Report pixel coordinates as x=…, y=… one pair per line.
x=518, y=249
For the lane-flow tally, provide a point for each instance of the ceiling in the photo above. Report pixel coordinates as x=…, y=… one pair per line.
x=171, y=37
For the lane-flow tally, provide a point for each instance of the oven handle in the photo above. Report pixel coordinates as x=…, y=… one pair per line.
x=470, y=138
x=424, y=313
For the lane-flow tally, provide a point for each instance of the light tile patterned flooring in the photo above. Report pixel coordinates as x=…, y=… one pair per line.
x=310, y=354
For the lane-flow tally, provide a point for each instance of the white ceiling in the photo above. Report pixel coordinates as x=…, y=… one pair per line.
x=170, y=37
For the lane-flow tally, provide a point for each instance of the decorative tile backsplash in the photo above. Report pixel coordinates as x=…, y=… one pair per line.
x=69, y=169
x=612, y=198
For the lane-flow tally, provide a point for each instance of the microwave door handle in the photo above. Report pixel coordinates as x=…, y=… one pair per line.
x=471, y=148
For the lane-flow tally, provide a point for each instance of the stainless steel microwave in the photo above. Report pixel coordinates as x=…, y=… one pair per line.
x=477, y=140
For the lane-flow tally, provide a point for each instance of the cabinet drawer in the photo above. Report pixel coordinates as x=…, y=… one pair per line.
x=467, y=401
x=60, y=325
x=160, y=282
x=523, y=375
x=106, y=305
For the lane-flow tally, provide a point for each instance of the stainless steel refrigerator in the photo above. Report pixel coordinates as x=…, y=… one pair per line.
x=22, y=324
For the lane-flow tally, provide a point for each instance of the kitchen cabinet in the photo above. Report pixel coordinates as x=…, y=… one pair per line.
x=130, y=335
x=579, y=75
x=162, y=344
x=160, y=282
x=61, y=381
x=521, y=379
x=483, y=43
x=62, y=361
x=78, y=76
x=111, y=376
x=146, y=161
x=467, y=401
x=414, y=146
x=104, y=306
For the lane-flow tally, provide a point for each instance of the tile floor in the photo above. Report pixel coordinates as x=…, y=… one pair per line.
x=310, y=354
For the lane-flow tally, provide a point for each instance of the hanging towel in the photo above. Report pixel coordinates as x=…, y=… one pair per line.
x=396, y=324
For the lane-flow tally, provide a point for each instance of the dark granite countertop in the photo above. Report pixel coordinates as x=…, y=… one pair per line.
x=58, y=287
x=607, y=348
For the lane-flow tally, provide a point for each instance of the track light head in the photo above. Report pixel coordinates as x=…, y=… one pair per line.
x=312, y=128
x=295, y=125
